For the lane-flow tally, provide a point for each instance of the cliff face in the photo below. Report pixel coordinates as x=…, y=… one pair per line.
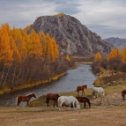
x=117, y=42
x=72, y=36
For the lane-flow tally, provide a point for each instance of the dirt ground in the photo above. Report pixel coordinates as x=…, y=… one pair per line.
x=98, y=116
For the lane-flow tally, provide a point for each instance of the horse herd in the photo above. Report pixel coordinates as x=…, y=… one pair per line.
x=69, y=101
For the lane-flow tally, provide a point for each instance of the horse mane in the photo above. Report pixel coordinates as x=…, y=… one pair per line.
x=31, y=95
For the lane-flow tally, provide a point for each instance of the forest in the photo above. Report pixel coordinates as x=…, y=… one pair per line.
x=115, y=60
x=27, y=56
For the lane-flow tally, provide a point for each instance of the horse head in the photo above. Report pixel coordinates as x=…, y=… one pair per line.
x=84, y=86
x=33, y=95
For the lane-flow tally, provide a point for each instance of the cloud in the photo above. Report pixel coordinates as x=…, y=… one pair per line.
x=106, y=17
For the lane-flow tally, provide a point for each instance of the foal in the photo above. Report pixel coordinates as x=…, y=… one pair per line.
x=81, y=88
x=84, y=100
x=25, y=98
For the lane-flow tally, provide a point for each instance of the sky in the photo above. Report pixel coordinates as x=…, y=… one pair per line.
x=105, y=17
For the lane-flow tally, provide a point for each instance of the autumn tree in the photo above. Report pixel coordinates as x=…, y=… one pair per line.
x=114, y=54
x=98, y=57
x=5, y=48
x=123, y=55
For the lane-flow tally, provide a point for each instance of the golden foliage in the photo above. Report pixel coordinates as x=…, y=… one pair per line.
x=17, y=44
x=114, y=54
x=98, y=57
x=123, y=55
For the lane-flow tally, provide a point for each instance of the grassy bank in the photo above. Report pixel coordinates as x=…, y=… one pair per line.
x=7, y=90
x=105, y=78
x=112, y=96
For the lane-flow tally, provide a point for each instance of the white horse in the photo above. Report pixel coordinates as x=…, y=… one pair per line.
x=69, y=101
x=98, y=91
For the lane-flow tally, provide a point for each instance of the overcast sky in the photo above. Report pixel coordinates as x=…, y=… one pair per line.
x=105, y=17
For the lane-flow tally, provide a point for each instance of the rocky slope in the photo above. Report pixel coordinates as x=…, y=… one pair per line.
x=117, y=42
x=72, y=36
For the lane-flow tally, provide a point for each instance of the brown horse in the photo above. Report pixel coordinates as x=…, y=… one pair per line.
x=123, y=93
x=25, y=98
x=84, y=100
x=81, y=88
x=53, y=97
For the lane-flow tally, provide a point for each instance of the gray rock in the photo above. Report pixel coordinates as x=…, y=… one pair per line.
x=72, y=36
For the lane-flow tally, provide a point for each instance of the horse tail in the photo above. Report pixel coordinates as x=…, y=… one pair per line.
x=47, y=101
x=89, y=103
x=18, y=101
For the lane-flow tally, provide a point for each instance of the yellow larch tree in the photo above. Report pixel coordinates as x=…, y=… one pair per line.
x=114, y=54
x=98, y=57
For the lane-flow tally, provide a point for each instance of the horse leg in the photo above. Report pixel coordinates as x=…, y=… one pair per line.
x=123, y=96
x=89, y=103
x=47, y=101
x=84, y=104
x=60, y=106
x=28, y=103
x=18, y=102
x=82, y=93
x=54, y=103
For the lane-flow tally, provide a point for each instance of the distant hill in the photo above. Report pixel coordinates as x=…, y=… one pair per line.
x=72, y=36
x=117, y=42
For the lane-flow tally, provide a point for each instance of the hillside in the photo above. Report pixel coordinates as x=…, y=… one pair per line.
x=117, y=42
x=72, y=36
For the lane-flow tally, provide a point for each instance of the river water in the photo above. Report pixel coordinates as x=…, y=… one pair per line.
x=78, y=76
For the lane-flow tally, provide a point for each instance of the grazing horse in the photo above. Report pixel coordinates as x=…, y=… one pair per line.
x=98, y=91
x=84, y=100
x=53, y=97
x=25, y=98
x=68, y=101
x=81, y=88
x=123, y=93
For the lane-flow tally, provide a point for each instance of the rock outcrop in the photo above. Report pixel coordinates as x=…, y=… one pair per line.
x=72, y=36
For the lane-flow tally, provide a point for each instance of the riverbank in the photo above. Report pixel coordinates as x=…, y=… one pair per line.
x=7, y=90
x=106, y=78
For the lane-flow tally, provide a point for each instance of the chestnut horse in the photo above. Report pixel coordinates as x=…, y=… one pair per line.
x=25, y=98
x=53, y=97
x=84, y=100
x=123, y=93
x=81, y=88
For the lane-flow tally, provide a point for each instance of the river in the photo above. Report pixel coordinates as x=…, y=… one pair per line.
x=74, y=77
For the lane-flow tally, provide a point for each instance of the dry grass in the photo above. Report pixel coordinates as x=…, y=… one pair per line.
x=98, y=116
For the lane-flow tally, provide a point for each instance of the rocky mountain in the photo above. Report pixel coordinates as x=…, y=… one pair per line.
x=117, y=42
x=72, y=36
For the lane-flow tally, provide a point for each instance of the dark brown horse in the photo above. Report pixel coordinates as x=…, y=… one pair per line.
x=25, y=98
x=53, y=97
x=84, y=100
x=82, y=89
x=123, y=93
